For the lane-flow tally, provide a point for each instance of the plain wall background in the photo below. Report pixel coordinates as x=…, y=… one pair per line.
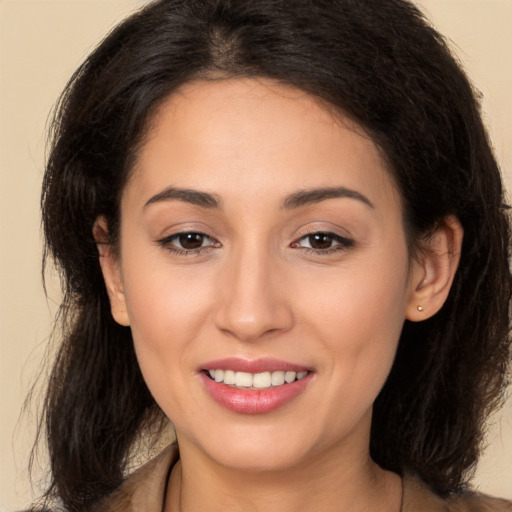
x=41, y=43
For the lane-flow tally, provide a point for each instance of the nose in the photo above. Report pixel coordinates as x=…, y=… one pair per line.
x=253, y=298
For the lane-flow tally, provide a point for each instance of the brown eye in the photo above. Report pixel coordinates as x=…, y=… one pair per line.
x=188, y=242
x=320, y=241
x=191, y=241
x=323, y=242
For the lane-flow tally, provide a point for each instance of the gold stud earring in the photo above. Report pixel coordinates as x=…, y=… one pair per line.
x=420, y=308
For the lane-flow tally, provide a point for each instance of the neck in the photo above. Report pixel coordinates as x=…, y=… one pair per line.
x=323, y=484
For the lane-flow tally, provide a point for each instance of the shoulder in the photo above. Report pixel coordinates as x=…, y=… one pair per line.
x=145, y=489
x=417, y=497
x=475, y=502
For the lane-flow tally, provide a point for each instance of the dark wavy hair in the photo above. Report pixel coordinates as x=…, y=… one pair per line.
x=381, y=63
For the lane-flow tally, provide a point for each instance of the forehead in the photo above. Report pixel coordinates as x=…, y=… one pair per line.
x=242, y=131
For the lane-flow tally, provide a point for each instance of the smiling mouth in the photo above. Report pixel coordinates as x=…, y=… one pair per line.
x=263, y=380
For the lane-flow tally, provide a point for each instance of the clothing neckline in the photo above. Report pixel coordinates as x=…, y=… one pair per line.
x=145, y=490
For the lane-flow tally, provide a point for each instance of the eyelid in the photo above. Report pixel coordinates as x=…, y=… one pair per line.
x=344, y=242
x=341, y=242
x=166, y=242
x=323, y=226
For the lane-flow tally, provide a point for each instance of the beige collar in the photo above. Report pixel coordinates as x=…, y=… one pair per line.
x=145, y=490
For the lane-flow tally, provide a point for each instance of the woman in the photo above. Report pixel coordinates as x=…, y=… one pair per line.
x=280, y=225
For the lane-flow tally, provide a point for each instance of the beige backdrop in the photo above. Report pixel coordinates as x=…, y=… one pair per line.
x=41, y=43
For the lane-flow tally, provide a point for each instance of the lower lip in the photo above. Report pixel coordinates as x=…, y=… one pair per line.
x=254, y=401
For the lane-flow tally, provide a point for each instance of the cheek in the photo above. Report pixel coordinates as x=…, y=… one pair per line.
x=167, y=310
x=359, y=317
x=367, y=297
x=162, y=300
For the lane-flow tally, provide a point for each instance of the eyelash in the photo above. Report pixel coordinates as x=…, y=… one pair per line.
x=167, y=243
x=343, y=243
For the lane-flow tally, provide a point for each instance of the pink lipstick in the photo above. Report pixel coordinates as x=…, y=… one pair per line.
x=254, y=386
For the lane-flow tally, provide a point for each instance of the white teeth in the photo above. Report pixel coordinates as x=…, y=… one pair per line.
x=243, y=380
x=289, y=377
x=263, y=380
x=277, y=378
x=229, y=377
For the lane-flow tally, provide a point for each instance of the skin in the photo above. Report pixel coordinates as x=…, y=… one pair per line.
x=258, y=286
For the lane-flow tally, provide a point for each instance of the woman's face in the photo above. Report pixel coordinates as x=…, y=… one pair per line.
x=262, y=241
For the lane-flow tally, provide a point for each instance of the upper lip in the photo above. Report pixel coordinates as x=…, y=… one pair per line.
x=238, y=364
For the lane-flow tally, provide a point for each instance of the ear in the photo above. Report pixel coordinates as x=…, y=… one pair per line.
x=434, y=270
x=111, y=270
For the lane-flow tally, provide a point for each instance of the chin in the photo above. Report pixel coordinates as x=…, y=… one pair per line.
x=258, y=459
x=256, y=450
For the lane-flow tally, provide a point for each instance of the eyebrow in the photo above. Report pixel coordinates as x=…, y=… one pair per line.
x=316, y=195
x=295, y=200
x=195, y=197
